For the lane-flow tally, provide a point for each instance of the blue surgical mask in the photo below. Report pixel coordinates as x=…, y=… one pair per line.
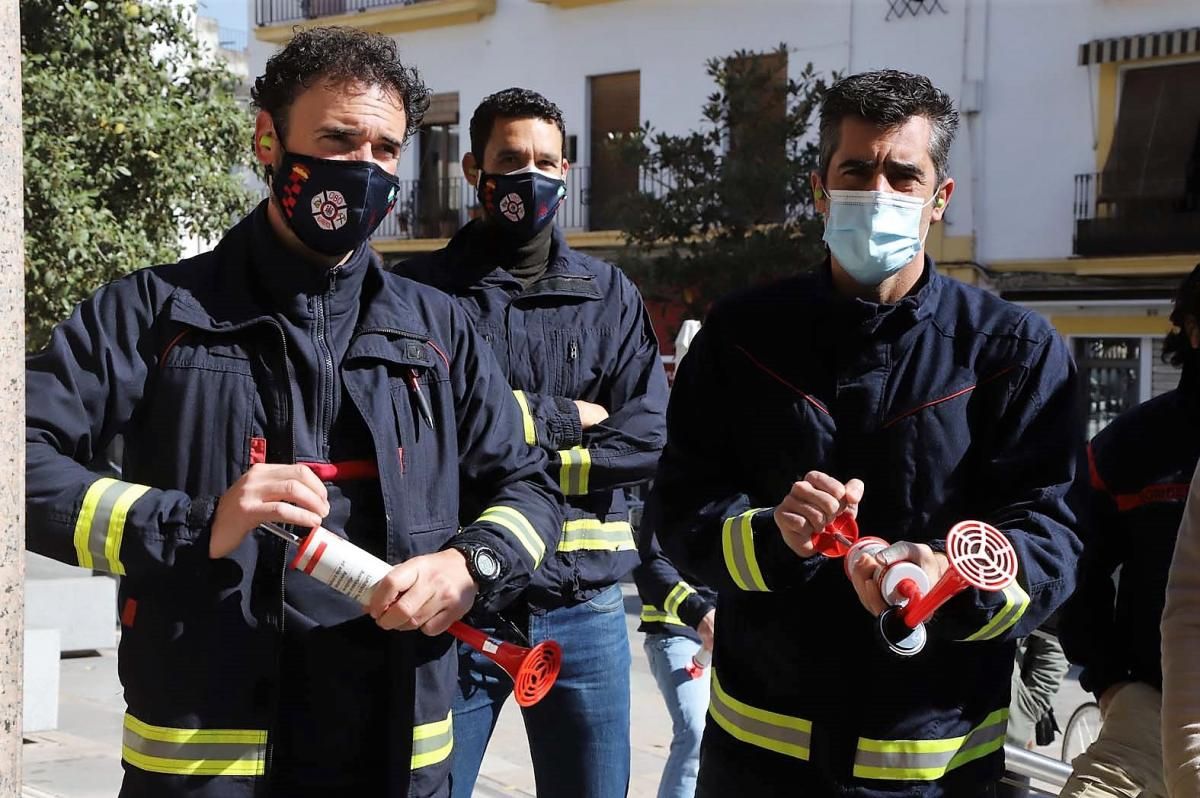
x=873, y=234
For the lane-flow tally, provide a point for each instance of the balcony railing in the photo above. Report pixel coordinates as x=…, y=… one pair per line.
x=273, y=12
x=1106, y=224
x=438, y=208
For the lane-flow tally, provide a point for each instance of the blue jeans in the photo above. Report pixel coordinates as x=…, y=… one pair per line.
x=579, y=733
x=687, y=704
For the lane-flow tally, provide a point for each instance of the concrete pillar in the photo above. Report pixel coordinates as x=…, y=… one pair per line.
x=12, y=400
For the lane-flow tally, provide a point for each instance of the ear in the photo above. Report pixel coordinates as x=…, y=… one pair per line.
x=820, y=198
x=566, y=167
x=941, y=200
x=266, y=141
x=470, y=168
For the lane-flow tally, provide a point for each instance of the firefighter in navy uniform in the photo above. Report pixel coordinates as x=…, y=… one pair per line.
x=874, y=386
x=286, y=377
x=1139, y=470
x=574, y=339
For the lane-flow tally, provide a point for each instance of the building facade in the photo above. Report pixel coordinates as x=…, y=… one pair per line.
x=1077, y=164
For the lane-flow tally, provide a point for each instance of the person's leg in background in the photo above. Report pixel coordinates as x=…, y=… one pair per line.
x=483, y=688
x=579, y=733
x=687, y=704
x=1125, y=761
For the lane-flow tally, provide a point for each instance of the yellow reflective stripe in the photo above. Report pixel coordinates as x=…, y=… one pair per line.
x=589, y=534
x=574, y=470
x=169, y=735
x=100, y=527
x=516, y=523
x=651, y=614
x=677, y=596
x=928, y=760
x=737, y=542
x=1016, y=601
x=432, y=743
x=783, y=734
x=83, y=524
x=205, y=752
x=526, y=418
x=116, y=527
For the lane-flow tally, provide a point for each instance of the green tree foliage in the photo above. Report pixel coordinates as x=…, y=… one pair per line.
x=132, y=138
x=728, y=205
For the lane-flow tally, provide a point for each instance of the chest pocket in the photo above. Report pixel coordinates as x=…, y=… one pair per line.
x=426, y=431
x=203, y=401
x=583, y=356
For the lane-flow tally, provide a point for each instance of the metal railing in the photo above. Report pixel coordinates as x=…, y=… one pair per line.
x=272, y=12
x=1111, y=218
x=1042, y=770
x=232, y=39
x=438, y=208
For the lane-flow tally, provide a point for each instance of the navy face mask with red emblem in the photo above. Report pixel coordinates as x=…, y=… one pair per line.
x=521, y=203
x=333, y=206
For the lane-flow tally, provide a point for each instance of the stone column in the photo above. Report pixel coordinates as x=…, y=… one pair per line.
x=12, y=401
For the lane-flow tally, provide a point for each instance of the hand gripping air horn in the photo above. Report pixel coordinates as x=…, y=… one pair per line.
x=980, y=556
x=353, y=572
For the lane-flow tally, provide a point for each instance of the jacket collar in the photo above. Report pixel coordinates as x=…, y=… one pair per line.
x=234, y=297
x=872, y=317
x=471, y=270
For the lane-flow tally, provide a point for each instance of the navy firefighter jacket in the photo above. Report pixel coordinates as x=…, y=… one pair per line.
x=243, y=678
x=1140, y=467
x=950, y=404
x=580, y=331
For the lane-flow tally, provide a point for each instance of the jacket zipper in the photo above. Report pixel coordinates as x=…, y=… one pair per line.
x=327, y=398
x=270, y=756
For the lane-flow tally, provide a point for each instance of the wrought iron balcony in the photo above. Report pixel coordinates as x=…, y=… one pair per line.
x=273, y=12
x=1114, y=218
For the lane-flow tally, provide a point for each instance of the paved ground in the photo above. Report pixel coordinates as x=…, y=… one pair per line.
x=82, y=758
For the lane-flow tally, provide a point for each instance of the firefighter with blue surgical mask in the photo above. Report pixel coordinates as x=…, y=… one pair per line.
x=876, y=387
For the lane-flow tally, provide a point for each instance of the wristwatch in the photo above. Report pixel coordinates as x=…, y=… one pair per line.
x=483, y=563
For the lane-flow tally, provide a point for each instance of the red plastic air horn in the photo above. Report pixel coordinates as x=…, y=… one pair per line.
x=980, y=556
x=533, y=670
x=354, y=572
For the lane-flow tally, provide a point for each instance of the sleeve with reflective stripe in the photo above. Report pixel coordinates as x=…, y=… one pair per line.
x=518, y=526
x=432, y=743
x=1016, y=601
x=928, y=760
x=590, y=534
x=100, y=524
x=737, y=542
x=194, y=752
x=575, y=466
x=526, y=418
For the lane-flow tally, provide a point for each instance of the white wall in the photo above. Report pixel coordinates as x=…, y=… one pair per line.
x=1012, y=61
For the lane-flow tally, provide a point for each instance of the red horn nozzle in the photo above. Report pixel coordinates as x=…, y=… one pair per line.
x=533, y=670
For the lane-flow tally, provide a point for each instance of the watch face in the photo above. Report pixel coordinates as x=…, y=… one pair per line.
x=487, y=564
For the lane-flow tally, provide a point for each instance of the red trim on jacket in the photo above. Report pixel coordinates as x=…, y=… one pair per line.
x=1152, y=494
x=808, y=397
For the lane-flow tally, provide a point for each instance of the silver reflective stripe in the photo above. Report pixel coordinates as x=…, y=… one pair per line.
x=783, y=734
x=928, y=760
x=190, y=751
x=1016, y=601
x=101, y=517
x=592, y=534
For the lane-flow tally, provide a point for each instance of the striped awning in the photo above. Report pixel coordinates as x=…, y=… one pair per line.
x=1146, y=45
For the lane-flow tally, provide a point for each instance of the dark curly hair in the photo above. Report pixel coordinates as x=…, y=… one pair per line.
x=1177, y=349
x=514, y=103
x=338, y=55
x=887, y=98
